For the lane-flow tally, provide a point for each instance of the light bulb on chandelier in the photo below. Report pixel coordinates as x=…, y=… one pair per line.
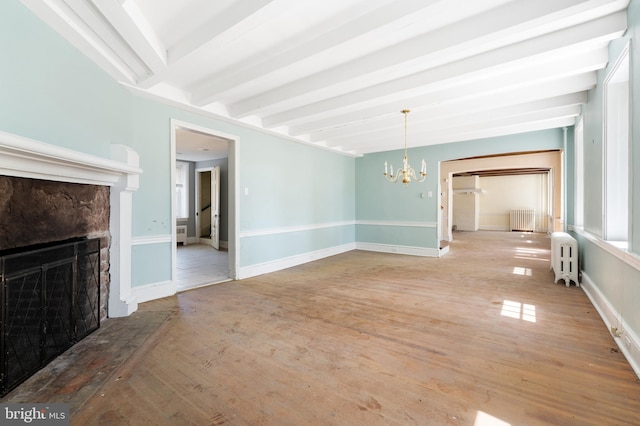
x=406, y=171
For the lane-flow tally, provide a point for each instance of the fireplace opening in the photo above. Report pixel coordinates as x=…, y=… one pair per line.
x=54, y=266
x=50, y=299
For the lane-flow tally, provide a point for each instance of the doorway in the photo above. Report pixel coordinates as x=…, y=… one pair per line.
x=208, y=206
x=208, y=255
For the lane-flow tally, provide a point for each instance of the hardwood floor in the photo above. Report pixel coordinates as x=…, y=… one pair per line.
x=199, y=265
x=481, y=336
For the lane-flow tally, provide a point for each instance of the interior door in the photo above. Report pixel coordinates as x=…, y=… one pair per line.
x=215, y=207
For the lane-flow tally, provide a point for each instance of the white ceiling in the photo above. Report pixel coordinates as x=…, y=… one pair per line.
x=196, y=146
x=337, y=73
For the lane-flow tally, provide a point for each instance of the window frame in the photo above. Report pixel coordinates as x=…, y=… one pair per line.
x=182, y=201
x=612, y=215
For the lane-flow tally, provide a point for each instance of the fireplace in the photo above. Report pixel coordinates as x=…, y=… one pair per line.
x=50, y=300
x=119, y=177
x=69, y=214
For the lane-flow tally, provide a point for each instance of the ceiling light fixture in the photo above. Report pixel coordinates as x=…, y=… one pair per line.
x=406, y=171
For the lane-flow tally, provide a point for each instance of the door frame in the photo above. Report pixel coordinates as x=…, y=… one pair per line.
x=233, y=184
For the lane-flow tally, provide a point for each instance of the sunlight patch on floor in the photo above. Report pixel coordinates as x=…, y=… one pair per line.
x=517, y=270
x=484, y=419
x=518, y=310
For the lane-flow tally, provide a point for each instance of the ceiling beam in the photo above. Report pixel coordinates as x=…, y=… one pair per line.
x=63, y=19
x=129, y=22
x=463, y=117
x=535, y=77
x=507, y=24
x=375, y=20
x=417, y=134
x=475, y=134
x=88, y=15
x=552, y=88
x=591, y=35
x=240, y=18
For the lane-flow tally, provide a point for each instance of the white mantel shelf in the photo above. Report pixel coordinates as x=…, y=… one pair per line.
x=23, y=157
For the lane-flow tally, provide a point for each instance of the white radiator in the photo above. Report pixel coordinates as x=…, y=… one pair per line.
x=522, y=220
x=564, y=258
x=181, y=234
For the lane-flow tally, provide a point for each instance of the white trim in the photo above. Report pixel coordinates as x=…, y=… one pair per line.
x=397, y=223
x=157, y=239
x=609, y=315
x=28, y=158
x=298, y=228
x=625, y=55
x=627, y=257
x=136, y=91
x=145, y=293
x=234, y=193
x=396, y=249
x=288, y=262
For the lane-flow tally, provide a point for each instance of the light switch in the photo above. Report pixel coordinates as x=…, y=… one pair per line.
x=246, y=190
x=430, y=194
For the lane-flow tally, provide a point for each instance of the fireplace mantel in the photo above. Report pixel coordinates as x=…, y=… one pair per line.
x=28, y=158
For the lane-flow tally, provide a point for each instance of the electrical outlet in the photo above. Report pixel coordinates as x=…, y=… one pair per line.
x=627, y=341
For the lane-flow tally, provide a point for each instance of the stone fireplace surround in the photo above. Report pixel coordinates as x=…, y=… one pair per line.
x=27, y=158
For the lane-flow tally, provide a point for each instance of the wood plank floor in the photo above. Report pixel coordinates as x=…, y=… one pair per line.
x=481, y=336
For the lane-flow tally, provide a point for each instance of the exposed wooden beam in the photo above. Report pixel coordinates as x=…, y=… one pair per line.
x=499, y=27
x=241, y=17
x=552, y=88
x=333, y=37
x=139, y=35
x=548, y=48
x=426, y=122
x=75, y=30
x=476, y=134
x=422, y=135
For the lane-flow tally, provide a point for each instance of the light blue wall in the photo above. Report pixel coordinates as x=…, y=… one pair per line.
x=290, y=185
x=381, y=201
x=615, y=279
x=50, y=92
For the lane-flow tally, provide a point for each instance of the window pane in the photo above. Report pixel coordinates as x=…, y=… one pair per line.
x=182, y=190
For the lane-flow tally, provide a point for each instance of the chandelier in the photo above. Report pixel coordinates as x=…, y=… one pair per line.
x=406, y=171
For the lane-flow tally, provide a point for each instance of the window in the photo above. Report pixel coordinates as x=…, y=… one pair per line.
x=616, y=152
x=578, y=207
x=182, y=190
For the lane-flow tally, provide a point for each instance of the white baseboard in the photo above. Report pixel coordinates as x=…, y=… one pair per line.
x=153, y=291
x=628, y=341
x=288, y=262
x=395, y=249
